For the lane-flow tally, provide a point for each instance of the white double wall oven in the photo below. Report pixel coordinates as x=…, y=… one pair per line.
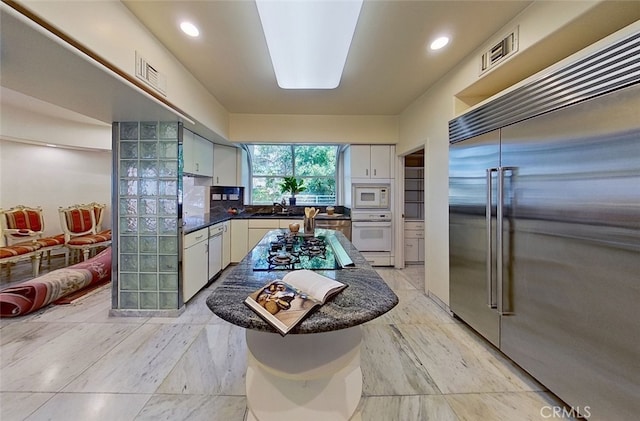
x=371, y=222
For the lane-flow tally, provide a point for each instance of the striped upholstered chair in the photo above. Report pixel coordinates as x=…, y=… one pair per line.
x=20, y=224
x=22, y=237
x=81, y=225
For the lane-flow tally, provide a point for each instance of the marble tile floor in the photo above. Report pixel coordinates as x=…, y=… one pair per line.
x=418, y=363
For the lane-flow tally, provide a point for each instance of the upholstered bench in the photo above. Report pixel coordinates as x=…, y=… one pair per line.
x=86, y=243
x=21, y=251
x=48, y=244
x=24, y=226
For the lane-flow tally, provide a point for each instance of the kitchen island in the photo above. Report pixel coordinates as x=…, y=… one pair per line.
x=314, y=371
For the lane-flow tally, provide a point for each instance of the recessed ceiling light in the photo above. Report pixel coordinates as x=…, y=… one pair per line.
x=439, y=43
x=51, y=145
x=308, y=41
x=189, y=29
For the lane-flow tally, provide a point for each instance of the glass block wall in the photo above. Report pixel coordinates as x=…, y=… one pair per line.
x=146, y=177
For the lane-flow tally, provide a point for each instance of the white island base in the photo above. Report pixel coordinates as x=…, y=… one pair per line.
x=303, y=377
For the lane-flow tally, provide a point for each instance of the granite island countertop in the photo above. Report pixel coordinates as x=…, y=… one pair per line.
x=366, y=297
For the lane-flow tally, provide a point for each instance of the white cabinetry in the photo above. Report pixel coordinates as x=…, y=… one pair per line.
x=284, y=223
x=215, y=249
x=224, y=166
x=239, y=237
x=371, y=161
x=195, y=263
x=197, y=153
x=247, y=233
x=414, y=241
x=258, y=228
x=226, y=244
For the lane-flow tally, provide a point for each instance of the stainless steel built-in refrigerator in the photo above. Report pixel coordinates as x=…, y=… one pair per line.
x=545, y=234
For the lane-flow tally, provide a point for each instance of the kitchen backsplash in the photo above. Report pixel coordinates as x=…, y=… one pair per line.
x=221, y=199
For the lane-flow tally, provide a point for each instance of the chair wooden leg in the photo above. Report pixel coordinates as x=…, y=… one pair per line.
x=8, y=265
x=35, y=262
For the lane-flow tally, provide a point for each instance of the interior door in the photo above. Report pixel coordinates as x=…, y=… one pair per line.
x=472, y=235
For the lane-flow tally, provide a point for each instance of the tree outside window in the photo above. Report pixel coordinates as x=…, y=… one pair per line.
x=315, y=164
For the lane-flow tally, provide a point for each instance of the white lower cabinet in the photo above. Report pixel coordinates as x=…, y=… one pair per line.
x=377, y=258
x=239, y=238
x=226, y=244
x=414, y=241
x=215, y=249
x=258, y=228
x=284, y=223
x=247, y=233
x=195, y=263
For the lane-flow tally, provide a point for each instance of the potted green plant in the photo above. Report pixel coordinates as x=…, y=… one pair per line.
x=292, y=186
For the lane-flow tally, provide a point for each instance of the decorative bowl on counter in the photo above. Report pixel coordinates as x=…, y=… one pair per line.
x=294, y=227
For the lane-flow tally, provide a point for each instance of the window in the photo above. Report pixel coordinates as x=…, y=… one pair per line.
x=315, y=164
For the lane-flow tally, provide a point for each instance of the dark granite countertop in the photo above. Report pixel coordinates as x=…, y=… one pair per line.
x=195, y=223
x=366, y=297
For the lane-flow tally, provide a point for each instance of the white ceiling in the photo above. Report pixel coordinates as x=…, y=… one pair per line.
x=388, y=65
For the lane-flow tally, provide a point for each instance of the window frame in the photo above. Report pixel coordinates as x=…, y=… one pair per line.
x=338, y=152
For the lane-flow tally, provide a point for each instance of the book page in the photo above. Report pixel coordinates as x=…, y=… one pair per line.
x=312, y=283
x=281, y=304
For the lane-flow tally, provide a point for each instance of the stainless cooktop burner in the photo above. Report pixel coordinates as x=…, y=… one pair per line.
x=294, y=251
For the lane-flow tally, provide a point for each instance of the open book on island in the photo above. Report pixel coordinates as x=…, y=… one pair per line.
x=283, y=303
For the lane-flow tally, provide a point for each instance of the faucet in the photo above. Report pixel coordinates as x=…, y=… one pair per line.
x=282, y=207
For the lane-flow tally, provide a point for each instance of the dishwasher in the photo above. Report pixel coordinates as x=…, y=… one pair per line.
x=215, y=250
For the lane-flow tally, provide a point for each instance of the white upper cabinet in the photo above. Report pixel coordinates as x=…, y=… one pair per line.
x=371, y=161
x=197, y=154
x=224, y=166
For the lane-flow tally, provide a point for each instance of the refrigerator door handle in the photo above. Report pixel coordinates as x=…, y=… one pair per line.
x=499, y=228
x=505, y=198
x=491, y=296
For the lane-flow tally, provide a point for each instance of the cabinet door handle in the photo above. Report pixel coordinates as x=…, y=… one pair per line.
x=217, y=180
x=366, y=172
x=197, y=167
x=375, y=172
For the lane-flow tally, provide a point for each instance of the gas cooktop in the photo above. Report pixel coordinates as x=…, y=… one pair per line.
x=289, y=251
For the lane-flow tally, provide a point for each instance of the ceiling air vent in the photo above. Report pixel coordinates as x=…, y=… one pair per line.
x=150, y=75
x=504, y=48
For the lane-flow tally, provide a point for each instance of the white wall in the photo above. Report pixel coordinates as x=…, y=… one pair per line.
x=313, y=128
x=34, y=175
x=27, y=119
x=110, y=29
x=426, y=120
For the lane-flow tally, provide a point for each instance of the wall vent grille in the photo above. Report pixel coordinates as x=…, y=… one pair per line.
x=502, y=49
x=152, y=77
x=612, y=67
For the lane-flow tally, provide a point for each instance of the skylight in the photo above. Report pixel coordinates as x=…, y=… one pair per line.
x=308, y=40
